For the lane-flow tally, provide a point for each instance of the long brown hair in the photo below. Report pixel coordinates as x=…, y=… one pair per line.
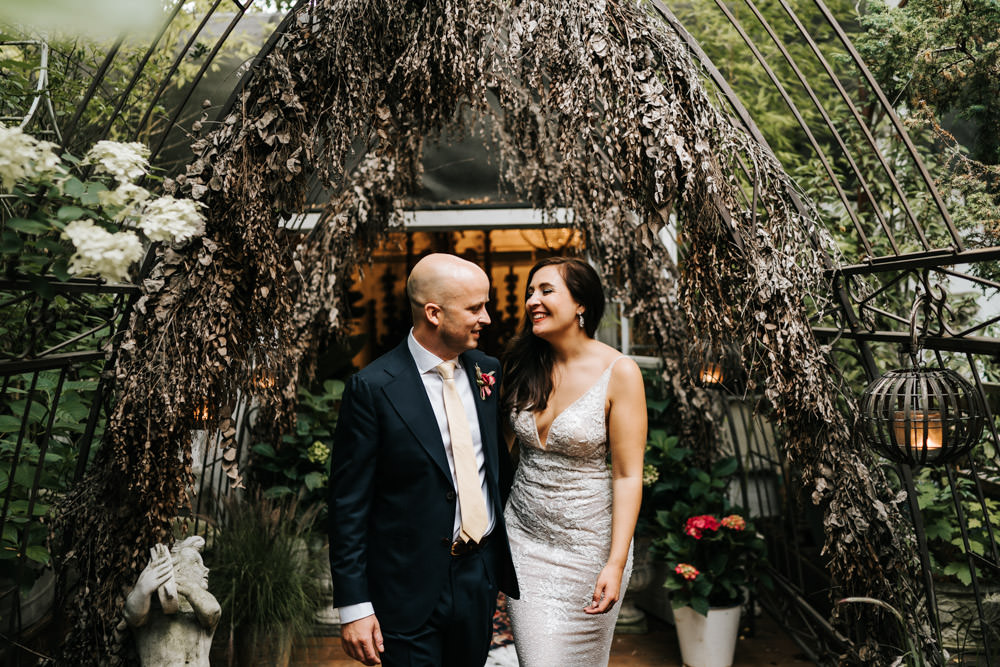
x=528, y=359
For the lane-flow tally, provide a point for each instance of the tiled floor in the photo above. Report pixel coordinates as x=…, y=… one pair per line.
x=769, y=646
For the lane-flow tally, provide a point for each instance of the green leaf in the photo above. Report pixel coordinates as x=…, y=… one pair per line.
x=29, y=226
x=10, y=243
x=61, y=269
x=9, y=424
x=725, y=467
x=41, y=287
x=73, y=187
x=960, y=571
x=38, y=554
x=698, y=489
x=656, y=406
x=264, y=449
x=314, y=480
x=700, y=605
x=91, y=197
x=277, y=492
x=679, y=453
x=71, y=213
x=673, y=584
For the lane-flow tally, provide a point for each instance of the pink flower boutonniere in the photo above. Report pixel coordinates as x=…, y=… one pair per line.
x=485, y=382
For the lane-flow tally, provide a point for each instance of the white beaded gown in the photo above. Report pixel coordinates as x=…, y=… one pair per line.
x=559, y=524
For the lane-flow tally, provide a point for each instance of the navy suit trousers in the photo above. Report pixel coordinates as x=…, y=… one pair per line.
x=460, y=628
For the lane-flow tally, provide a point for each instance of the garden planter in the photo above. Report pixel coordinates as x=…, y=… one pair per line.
x=255, y=648
x=960, y=629
x=707, y=641
x=33, y=605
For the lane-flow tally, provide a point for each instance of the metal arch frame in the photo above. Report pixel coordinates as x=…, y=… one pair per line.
x=41, y=86
x=72, y=129
x=929, y=259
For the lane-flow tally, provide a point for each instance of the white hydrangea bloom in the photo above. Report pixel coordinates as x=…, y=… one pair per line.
x=99, y=252
x=170, y=219
x=127, y=198
x=125, y=162
x=24, y=158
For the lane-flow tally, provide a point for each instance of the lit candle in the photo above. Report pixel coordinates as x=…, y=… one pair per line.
x=711, y=374
x=202, y=414
x=262, y=381
x=929, y=433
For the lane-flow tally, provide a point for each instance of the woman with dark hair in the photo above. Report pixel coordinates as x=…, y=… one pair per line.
x=572, y=400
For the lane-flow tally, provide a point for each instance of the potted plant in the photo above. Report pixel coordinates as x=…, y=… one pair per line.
x=264, y=577
x=713, y=556
x=300, y=464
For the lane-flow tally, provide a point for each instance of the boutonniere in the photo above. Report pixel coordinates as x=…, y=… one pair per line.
x=485, y=382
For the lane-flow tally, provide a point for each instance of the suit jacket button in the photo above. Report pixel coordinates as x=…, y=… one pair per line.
x=445, y=542
x=450, y=495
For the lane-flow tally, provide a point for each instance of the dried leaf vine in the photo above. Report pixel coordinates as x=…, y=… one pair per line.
x=597, y=107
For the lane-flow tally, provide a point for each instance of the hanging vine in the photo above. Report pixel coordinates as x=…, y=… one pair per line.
x=596, y=107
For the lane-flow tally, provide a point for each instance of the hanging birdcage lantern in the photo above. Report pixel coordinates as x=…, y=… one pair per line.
x=919, y=415
x=715, y=366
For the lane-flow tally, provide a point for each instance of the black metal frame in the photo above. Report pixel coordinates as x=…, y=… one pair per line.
x=857, y=308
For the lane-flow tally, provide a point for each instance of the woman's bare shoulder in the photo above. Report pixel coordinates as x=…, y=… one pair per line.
x=625, y=373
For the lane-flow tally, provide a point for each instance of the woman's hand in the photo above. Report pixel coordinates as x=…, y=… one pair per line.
x=607, y=590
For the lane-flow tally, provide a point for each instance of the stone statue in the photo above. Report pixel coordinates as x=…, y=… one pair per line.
x=178, y=630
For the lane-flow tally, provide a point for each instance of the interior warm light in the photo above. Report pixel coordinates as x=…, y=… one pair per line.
x=262, y=381
x=202, y=413
x=929, y=432
x=711, y=374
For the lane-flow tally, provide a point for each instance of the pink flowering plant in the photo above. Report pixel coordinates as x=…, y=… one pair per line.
x=711, y=549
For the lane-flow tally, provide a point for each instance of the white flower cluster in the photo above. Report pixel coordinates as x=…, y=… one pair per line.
x=125, y=162
x=127, y=198
x=96, y=250
x=170, y=219
x=99, y=252
x=22, y=157
x=650, y=475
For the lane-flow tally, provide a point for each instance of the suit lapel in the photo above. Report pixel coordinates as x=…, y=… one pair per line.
x=487, y=420
x=408, y=397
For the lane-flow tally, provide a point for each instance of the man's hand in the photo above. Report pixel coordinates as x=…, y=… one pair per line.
x=362, y=640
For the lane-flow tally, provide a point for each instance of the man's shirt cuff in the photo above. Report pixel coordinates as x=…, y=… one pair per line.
x=354, y=612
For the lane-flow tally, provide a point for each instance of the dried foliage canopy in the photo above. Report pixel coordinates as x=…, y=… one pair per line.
x=596, y=107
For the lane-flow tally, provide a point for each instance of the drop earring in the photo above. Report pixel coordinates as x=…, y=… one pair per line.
x=579, y=317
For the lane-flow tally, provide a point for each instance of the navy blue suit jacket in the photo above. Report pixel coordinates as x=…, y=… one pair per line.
x=392, y=497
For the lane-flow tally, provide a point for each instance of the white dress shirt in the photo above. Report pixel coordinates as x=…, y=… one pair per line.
x=426, y=363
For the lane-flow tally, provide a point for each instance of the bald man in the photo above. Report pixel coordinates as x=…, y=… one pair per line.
x=418, y=546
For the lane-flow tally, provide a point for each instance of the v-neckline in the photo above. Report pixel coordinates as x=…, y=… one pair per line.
x=544, y=446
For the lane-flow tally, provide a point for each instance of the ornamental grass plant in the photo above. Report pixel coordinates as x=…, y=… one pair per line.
x=261, y=569
x=712, y=550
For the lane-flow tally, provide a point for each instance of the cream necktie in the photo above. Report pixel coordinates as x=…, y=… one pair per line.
x=470, y=493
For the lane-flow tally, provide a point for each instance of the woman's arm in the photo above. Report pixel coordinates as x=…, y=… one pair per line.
x=627, y=439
